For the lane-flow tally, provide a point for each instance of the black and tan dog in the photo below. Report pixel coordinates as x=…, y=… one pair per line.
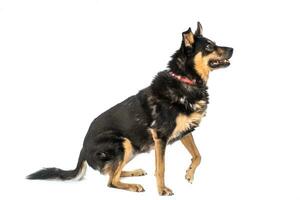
x=166, y=111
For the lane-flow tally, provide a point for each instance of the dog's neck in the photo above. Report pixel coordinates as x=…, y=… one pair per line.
x=183, y=79
x=169, y=88
x=180, y=66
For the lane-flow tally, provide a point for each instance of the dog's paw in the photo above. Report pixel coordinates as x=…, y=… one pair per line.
x=189, y=176
x=140, y=172
x=137, y=172
x=164, y=191
x=136, y=188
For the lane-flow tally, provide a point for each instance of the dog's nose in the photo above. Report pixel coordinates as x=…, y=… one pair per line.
x=229, y=52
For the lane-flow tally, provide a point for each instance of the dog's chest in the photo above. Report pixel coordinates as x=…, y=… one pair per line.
x=185, y=123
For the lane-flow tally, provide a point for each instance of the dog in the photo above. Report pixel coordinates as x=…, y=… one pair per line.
x=167, y=111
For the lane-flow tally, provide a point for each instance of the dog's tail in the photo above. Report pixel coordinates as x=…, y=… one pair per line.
x=55, y=173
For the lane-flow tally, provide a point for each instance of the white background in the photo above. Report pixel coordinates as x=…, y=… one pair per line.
x=63, y=62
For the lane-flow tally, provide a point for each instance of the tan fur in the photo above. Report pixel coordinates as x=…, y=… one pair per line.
x=188, y=39
x=188, y=142
x=82, y=171
x=184, y=122
x=200, y=106
x=137, y=172
x=160, y=165
x=201, y=67
x=114, y=180
x=107, y=169
x=201, y=64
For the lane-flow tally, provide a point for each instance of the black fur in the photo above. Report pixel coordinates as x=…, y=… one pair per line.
x=55, y=173
x=156, y=106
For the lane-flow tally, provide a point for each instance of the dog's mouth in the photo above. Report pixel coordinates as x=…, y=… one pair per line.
x=219, y=63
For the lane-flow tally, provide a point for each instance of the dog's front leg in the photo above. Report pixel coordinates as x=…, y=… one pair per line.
x=160, y=147
x=188, y=142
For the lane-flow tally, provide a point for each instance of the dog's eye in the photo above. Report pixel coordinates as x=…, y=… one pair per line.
x=209, y=48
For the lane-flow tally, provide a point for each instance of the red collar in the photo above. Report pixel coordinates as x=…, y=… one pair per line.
x=183, y=79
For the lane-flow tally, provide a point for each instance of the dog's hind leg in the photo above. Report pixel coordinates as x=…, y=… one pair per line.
x=188, y=142
x=115, y=173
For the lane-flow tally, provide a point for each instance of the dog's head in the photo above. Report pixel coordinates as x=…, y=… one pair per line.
x=203, y=54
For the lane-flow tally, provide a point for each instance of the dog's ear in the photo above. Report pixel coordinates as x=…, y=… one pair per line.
x=199, y=30
x=188, y=38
